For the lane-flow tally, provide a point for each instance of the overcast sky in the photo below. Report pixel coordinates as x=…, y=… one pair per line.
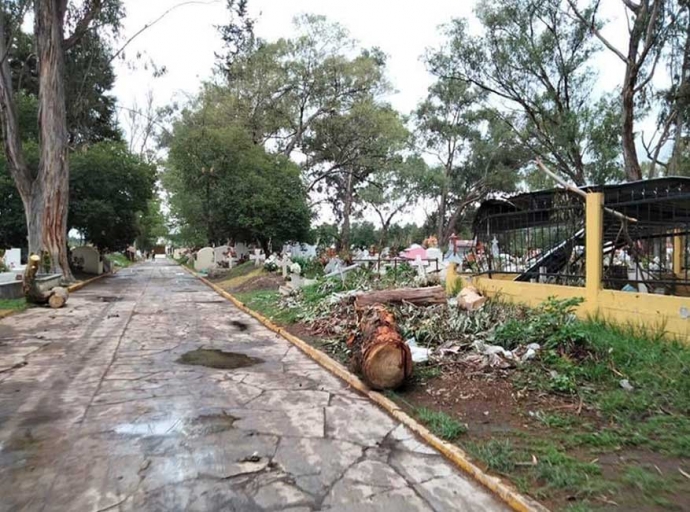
x=185, y=41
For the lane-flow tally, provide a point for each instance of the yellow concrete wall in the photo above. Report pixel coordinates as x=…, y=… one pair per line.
x=624, y=308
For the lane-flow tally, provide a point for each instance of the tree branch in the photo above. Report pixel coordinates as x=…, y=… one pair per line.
x=83, y=24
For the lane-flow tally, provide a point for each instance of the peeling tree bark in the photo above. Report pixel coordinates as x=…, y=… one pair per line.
x=44, y=193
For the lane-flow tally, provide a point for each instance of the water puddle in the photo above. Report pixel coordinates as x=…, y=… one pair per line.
x=192, y=427
x=242, y=326
x=212, y=358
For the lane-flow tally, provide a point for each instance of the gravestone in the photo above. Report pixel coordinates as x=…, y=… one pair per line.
x=220, y=255
x=88, y=260
x=241, y=250
x=284, y=264
x=13, y=258
x=204, y=259
x=258, y=257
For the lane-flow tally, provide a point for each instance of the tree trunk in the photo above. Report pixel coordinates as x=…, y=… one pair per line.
x=347, y=212
x=58, y=297
x=53, y=168
x=378, y=350
x=441, y=221
x=417, y=296
x=633, y=172
x=681, y=105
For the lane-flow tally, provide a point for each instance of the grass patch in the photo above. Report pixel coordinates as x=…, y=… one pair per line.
x=267, y=302
x=497, y=454
x=647, y=481
x=118, y=259
x=13, y=304
x=441, y=424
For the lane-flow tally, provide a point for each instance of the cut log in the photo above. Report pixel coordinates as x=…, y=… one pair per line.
x=378, y=351
x=31, y=291
x=417, y=296
x=58, y=297
x=470, y=299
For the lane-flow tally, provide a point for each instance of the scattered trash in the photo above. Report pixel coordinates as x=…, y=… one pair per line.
x=419, y=354
x=625, y=384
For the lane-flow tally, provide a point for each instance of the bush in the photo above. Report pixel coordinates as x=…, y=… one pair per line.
x=553, y=325
x=311, y=268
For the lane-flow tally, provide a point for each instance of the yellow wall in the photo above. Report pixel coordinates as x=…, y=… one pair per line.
x=625, y=308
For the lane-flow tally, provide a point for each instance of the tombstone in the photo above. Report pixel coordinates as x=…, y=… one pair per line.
x=220, y=255
x=13, y=258
x=333, y=265
x=284, y=264
x=88, y=260
x=204, y=259
x=241, y=250
x=258, y=257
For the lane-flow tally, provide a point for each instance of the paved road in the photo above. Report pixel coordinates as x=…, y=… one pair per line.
x=105, y=416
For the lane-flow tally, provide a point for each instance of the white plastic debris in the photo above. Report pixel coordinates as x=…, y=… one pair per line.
x=625, y=384
x=419, y=354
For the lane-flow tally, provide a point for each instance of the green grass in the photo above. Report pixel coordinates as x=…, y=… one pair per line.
x=441, y=424
x=648, y=481
x=267, y=302
x=118, y=259
x=13, y=305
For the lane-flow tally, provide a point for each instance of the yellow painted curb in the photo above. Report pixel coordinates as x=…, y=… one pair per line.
x=454, y=454
x=9, y=312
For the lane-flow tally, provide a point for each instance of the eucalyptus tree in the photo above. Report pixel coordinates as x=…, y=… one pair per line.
x=58, y=26
x=533, y=62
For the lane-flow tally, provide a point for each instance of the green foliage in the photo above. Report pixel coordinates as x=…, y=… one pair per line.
x=553, y=325
x=311, y=267
x=222, y=186
x=532, y=56
x=13, y=304
x=118, y=259
x=151, y=225
x=441, y=424
x=109, y=189
x=497, y=454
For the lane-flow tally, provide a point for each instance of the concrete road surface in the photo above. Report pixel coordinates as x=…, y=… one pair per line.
x=122, y=401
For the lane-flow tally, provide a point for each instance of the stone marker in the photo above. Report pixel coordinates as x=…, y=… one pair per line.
x=13, y=258
x=204, y=259
x=258, y=257
x=220, y=255
x=88, y=259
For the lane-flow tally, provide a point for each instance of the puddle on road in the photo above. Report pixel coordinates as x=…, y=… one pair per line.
x=109, y=298
x=199, y=426
x=212, y=358
x=242, y=326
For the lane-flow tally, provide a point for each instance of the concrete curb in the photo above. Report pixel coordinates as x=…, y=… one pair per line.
x=452, y=453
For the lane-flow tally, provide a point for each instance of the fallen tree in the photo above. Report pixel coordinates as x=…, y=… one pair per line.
x=378, y=351
x=417, y=296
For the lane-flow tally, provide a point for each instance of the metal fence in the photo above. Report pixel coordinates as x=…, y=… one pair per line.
x=647, y=251
x=532, y=237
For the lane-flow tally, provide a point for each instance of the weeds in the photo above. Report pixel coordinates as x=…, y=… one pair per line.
x=441, y=424
x=13, y=304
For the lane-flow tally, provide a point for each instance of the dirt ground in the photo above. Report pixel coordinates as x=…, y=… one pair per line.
x=493, y=407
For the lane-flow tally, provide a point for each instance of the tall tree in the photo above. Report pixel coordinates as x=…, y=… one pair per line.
x=649, y=27
x=531, y=59
x=395, y=189
x=347, y=150
x=44, y=193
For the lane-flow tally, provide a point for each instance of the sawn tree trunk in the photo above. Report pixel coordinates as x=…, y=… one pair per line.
x=378, y=351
